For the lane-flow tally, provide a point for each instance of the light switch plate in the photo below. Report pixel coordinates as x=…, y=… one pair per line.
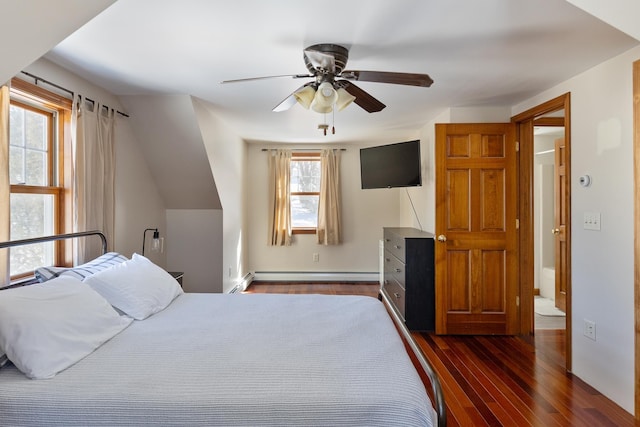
x=591, y=221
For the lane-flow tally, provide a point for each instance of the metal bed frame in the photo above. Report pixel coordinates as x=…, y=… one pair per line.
x=44, y=239
x=436, y=388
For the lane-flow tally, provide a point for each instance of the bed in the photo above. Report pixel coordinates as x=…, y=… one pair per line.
x=233, y=360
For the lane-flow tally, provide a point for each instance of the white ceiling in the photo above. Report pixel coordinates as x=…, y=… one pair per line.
x=489, y=52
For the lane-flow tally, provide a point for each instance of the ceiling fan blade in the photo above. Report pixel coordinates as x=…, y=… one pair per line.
x=363, y=99
x=289, y=101
x=295, y=76
x=409, y=79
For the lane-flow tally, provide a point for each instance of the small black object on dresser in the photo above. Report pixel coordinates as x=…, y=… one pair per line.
x=409, y=275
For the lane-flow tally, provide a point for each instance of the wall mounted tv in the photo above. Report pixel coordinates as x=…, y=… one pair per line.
x=392, y=165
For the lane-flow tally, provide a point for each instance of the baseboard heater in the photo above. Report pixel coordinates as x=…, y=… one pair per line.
x=316, y=276
x=243, y=283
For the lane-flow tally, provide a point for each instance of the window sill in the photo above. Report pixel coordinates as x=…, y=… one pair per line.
x=303, y=231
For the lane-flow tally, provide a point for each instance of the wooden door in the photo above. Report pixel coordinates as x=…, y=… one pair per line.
x=476, y=230
x=560, y=223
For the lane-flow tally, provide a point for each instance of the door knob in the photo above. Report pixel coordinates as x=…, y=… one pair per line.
x=555, y=231
x=442, y=238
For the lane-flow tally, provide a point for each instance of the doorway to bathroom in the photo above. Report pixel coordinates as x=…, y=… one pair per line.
x=549, y=291
x=545, y=244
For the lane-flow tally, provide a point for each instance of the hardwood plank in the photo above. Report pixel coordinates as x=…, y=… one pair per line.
x=495, y=380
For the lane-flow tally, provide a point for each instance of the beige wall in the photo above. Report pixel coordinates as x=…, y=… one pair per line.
x=194, y=247
x=138, y=202
x=227, y=156
x=364, y=213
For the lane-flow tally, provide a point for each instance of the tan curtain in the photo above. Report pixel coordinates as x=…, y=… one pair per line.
x=279, y=198
x=329, y=223
x=94, y=175
x=5, y=189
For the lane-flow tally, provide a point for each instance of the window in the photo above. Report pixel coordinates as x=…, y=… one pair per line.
x=305, y=192
x=37, y=141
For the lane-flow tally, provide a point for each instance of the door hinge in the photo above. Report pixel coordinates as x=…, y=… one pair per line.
x=518, y=301
x=517, y=146
x=517, y=224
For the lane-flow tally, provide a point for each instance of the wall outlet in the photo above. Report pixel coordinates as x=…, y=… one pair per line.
x=590, y=329
x=316, y=257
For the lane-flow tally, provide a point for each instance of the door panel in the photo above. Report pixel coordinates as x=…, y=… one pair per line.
x=476, y=199
x=560, y=230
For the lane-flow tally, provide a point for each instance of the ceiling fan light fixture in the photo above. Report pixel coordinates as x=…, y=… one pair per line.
x=305, y=96
x=321, y=108
x=325, y=98
x=344, y=99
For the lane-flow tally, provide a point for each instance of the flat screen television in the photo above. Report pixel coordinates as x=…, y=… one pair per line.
x=392, y=165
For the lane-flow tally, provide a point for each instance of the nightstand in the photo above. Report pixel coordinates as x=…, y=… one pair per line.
x=177, y=275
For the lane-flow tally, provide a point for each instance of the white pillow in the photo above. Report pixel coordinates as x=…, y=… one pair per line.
x=137, y=287
x=46, y=328
x=103, y=262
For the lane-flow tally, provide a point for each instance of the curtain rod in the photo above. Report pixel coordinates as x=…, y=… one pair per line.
x=304, y=149
x=40, y=79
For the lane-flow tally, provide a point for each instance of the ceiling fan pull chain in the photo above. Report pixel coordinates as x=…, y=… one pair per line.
x=333, y=121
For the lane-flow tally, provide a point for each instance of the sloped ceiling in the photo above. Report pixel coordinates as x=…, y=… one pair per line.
x=28, y=29
x=621, y=14
x=170, y=138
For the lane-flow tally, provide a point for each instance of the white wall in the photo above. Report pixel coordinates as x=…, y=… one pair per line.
x=138, y=202
x=364, y=213
x=194, y=246
x=602, y=261
x=227, y=156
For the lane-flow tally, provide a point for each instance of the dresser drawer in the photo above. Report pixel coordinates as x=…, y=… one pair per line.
x=394, y=267
x=396, y=295
x=407, y=263
x=394, y=244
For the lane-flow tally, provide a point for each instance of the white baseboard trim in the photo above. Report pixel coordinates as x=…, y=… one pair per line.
x=243, y=283
x=315, y=276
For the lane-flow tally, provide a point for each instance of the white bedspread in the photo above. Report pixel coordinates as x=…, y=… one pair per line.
x=235, y=360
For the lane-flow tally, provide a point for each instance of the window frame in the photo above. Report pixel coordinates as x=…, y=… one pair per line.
x=59, y=175
x=305, y=156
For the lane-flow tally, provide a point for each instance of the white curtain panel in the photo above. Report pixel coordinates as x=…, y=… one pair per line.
x=4, y=183
x=94, y=175
x=329, y=222
x=279, y=198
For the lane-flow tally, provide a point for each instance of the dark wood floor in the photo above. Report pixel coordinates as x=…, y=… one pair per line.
x=496, y=381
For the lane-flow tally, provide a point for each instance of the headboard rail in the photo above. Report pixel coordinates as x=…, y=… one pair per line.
x=44, y=239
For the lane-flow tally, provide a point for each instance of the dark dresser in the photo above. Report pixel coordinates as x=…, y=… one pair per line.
x=409, y=275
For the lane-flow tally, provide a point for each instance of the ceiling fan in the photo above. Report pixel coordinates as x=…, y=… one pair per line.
x=333, y=86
